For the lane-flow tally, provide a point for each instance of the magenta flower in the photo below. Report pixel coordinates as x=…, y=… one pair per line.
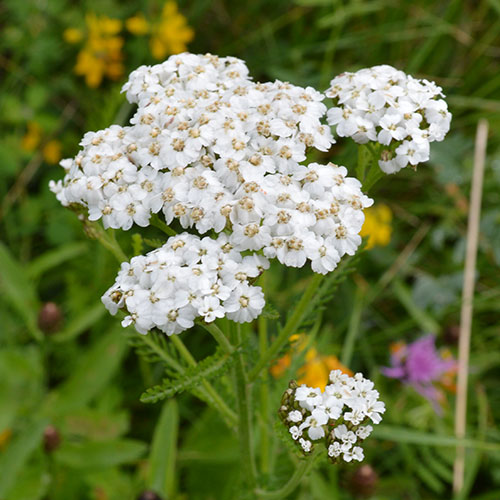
x=422, y=366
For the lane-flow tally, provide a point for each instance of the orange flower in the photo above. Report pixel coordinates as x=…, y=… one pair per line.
x=5, y=436
x=317, y=367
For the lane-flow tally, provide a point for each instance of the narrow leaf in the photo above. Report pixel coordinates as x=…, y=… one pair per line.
x=81, y=323
x=163, y=451
x=210, y=367
x=19, y=291
x=404, y=435
x=94, y=371
x=94, y=454
x=13, y=459
x=54, y=258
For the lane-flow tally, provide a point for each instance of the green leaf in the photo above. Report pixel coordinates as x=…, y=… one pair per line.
x=95, y=424
x=137, y=244
x=96, y=367
x=95, y=454
x=154, y=242
x=428, y=477
x=424, y=321
x=163, y=451
x=32, y=483
x=211, y=367
x=12, y=460
x=54, y=258
x=111, y=484
x=19, y=291
x=80, y=323
x=405, y=435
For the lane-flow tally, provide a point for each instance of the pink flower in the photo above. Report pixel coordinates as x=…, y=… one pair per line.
x=422, y=366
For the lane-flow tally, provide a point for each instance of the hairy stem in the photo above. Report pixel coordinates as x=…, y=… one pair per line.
x=218, y=335
x=229, y=415
x=158, y=223
x=244, y=413
x=303, y=468
x=290, y=327
x=264, y=393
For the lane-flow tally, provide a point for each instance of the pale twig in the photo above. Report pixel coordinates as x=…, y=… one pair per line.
x=467, y=298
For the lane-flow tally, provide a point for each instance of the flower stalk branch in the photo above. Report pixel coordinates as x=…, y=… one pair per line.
x=306, y=302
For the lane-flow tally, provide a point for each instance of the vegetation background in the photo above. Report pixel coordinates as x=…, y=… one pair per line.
x=71, y=422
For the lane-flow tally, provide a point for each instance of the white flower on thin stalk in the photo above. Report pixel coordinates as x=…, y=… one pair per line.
x=383, y=105
x=314, y=424
x=186, y=279
x=308, y=397
x=337, y=416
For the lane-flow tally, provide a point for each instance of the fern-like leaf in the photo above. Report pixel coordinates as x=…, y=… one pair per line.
x=211, y=367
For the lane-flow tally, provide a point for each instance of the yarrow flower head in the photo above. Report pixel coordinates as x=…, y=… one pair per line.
x=340, y=416
x=385, y=106
x=185, y=279
x=420, y=365
x=212, y=149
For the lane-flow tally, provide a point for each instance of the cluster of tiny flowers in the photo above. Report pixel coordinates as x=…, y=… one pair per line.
x=216, y=151
x=339, y=416
x=384, y=105
x=185, y=279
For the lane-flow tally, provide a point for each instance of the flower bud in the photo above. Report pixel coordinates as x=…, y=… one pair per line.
x=363, y=481
x=50, y=318
x=452, y=334
x=51, y=439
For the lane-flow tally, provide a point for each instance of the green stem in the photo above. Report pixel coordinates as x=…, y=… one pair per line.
x=244, y=413
x=107, y=239
x=264, y=393
x=169, y=360
x=218, y=335
x=158, y=223
x=363, y=162
x=304, y=467
x=228, y=413
x=290, y=327
x=353, y=331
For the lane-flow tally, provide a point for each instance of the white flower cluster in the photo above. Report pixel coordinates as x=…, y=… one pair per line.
x=339, y=416
x=214, y=150
x=384, y=105
x=185, y=279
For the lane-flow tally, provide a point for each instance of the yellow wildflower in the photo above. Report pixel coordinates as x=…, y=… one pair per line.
x=72, y=35
x=137, y=25
x=314, y=372
x=171, y=34
x=377, y=226
x=101, y=55
x=52, y=151
x=32, y=138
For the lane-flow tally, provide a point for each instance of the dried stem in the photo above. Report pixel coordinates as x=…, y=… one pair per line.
x=467, y=297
